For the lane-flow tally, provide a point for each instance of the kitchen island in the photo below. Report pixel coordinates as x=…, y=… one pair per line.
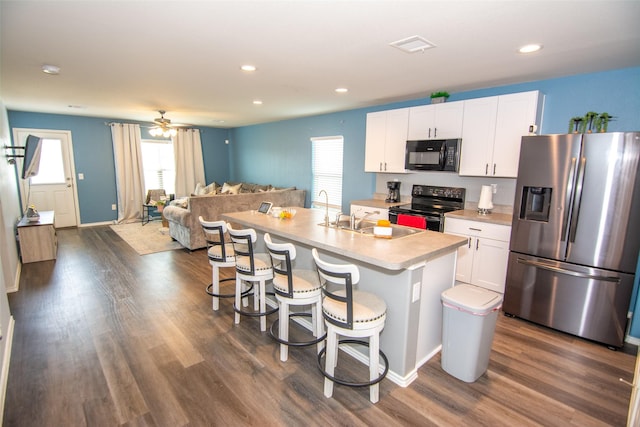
x=408, y=272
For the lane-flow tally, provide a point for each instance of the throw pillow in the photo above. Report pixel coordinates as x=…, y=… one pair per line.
x=211, y=188
x=199, y=191
x=230, y=189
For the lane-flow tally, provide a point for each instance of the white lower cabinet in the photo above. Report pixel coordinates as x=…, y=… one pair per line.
x=483, y=260
x=361, y=211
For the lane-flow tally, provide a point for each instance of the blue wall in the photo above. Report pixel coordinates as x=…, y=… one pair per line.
x=93, y=156
x=280, y=152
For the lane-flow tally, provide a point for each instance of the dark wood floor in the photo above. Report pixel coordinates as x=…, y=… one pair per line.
x=105, y=337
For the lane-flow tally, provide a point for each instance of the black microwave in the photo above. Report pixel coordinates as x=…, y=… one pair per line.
x=433, y=155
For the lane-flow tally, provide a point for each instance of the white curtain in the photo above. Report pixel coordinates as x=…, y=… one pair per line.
x=189, y=164
x=129, y=171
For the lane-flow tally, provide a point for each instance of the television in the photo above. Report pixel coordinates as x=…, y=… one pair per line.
x=32, y=152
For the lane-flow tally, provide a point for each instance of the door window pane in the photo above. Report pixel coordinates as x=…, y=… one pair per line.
x=51, y=169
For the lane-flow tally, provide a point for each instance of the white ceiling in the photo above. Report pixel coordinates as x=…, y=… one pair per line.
x=128, y=59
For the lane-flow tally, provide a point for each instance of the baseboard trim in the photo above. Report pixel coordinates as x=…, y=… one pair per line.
x=4, y=373
x=16, y=279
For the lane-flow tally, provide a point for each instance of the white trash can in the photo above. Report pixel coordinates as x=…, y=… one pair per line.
x=469, y=321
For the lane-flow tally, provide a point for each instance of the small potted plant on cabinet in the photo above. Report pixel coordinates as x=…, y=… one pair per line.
x=439, y=97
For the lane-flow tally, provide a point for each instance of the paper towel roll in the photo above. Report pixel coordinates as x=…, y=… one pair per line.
x=486, y=196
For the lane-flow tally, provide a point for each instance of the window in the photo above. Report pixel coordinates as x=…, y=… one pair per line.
x=326, y=166
x=51, y=170
x=159, y=165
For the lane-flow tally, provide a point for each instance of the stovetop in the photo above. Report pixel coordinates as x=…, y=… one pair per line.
x=433, y=200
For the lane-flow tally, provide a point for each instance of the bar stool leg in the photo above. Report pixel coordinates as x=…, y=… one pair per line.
x=330, y=360
x=238, y=298
x=263, y=304
x=215, y=287
x=283, y=324
x=374, y=361
x=318, y=324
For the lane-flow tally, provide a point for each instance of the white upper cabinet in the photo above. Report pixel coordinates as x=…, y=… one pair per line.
x=436, y=121
x=386, y=138
x=492, y=130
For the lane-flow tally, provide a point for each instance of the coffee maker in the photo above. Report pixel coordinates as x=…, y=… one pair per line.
x=393, y=194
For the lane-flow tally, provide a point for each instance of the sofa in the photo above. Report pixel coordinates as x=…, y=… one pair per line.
x=182, y=214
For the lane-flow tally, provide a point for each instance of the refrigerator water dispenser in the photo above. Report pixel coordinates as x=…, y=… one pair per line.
x=536, y=202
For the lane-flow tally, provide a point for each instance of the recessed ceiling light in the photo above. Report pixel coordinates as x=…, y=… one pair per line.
x=530, y=48
x=413, y=44
x=248, y=67
x=342, y=90
x=257, y=102
x=51, y=69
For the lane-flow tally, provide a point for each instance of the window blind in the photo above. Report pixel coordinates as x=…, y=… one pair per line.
x=327, y=170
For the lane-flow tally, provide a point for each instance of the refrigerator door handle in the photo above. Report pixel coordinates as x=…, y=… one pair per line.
x=567, y=200
x=555, y=269
x=575, y=212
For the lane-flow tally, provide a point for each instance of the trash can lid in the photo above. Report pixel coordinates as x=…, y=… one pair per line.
x=473, y=299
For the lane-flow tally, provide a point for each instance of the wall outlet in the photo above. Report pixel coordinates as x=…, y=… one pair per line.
x=494, y=188
x=80, y=176
x=113, y=207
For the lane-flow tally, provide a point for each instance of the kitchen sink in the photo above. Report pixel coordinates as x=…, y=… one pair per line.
x=366, y=228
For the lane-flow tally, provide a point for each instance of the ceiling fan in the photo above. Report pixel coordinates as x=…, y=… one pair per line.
x=163, y=126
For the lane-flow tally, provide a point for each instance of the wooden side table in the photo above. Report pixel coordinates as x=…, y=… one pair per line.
x=38, y=240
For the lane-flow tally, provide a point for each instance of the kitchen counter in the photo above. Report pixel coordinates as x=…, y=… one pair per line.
x=409, y=273
x=473, y=215
x=391, y=254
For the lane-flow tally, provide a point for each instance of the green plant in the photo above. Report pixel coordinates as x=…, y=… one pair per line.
x=439, y=94
x=574, y=124
x=602, y=121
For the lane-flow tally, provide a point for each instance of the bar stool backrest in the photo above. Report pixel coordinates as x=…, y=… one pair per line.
x=338, y=281
x=243, y=241
x=214, y=234
x=282, y=255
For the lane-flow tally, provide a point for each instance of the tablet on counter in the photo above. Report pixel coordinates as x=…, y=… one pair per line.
x=265, y=207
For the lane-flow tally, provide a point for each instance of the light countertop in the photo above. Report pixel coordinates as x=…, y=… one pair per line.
x=473, y=215
x=391, y=254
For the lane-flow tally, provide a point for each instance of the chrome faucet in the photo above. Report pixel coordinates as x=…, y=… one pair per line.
x=366, y=215
x=326, y=205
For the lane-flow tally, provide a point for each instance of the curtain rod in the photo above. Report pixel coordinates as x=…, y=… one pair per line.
x=149, y=126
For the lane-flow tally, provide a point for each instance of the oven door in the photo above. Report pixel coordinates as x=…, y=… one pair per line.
x=417, y=220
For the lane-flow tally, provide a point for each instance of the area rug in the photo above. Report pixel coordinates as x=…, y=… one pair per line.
x=148, y=238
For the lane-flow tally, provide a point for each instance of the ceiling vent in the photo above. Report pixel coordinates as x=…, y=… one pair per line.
x=413, y=44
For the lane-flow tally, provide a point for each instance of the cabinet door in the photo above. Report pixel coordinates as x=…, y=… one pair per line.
x=396, y=140
x=376, y=133
x=448, y=120
x=464, y=263
x=421, y=120
x=516, y=112
x=478, y=135
x=490, y=264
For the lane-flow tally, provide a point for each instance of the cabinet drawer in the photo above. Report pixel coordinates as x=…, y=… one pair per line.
x=477, y=229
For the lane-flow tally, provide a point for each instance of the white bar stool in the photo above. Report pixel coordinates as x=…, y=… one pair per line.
x=351, y=313
x=294, y=288
x=253, y=268
x=220, y=253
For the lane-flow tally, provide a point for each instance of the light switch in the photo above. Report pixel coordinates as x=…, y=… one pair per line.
x=80, y=176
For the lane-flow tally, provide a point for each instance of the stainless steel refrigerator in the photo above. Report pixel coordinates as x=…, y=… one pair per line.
x=575, y=234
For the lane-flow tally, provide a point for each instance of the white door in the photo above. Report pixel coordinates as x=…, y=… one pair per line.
x=52, y=189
